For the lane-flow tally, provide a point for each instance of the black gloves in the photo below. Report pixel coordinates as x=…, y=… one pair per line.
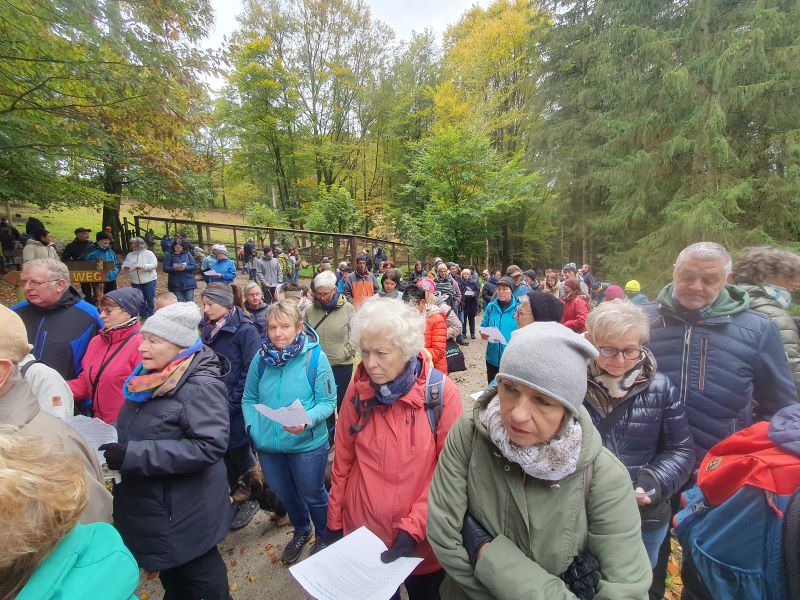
x=474, y=537
x=115, y=454
x=403, y=545
x=332, y=536
x=582, y=576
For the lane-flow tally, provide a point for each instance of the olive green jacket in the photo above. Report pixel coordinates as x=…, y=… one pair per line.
x=538, y=526
x=334, y=331
x=762, y=303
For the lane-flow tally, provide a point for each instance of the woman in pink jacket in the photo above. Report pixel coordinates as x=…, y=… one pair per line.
x=387, y=444
x=111, y=355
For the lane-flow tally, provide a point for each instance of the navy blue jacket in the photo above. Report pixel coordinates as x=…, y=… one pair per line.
x=61, y=334
x=651, y=438
x=180, y=280
x=730, y=369
x=238, y=341
x=173, y=503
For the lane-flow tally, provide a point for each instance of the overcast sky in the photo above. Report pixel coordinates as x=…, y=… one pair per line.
x=403, y=16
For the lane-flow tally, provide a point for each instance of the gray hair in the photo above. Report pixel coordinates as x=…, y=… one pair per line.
x=759, y=264
x=617, y=317
x=400, y=323
x=56, y=270
x=137, y=241
x=710, y=251
x=250, y=286
x=326, y=279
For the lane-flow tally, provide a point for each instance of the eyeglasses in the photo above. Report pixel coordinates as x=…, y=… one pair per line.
x=107, y=310
x=627, y=353
x=32, y=283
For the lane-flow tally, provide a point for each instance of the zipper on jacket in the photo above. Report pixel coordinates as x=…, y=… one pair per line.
x=703, y=357
x=168, y=499
x=413, y=428
x=687, y=336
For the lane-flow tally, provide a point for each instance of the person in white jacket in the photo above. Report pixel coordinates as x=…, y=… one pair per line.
x=51, y=391
x=141, y=263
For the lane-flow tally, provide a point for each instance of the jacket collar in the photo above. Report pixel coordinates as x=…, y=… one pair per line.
x=18, y=406
x=415, y=398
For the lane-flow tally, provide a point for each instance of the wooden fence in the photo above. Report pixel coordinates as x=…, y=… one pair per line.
x=313, y=245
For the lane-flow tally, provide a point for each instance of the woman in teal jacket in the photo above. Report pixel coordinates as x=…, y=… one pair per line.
x=499, y=313
x=46, y=554
x=224, y=267
x=103, y=250
x=292, y=366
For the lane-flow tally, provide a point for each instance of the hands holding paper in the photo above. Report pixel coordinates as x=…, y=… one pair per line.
x=295, y=430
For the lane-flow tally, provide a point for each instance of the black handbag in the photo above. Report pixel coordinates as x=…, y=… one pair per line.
x=455, y=357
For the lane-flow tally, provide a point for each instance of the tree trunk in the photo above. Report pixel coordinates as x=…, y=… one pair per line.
x=112, y=185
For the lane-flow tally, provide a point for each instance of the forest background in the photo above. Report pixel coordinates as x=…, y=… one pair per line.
x=611, y=132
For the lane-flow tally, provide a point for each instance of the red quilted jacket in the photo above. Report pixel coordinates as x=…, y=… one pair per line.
x=436, y=339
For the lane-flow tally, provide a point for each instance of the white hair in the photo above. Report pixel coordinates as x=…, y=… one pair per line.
x=137, y=241
x=326, y=279
x=400, y=323
x=710, y=251
x=617, y=318
x=56, y=270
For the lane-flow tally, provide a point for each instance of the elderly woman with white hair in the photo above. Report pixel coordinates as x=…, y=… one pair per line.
x=141, y=263
x=330, y=316
x=392, y=427
x=638, y=413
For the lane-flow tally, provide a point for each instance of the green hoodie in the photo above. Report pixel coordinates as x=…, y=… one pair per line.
x=538, y=526
x=732, y=300
x=90, y=562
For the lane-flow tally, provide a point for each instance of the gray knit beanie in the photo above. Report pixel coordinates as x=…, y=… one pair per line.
x=219, y=293
x=551, y=359
x=176, y=323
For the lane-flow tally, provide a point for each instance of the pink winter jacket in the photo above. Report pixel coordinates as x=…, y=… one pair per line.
x=107, y=399
x=381, y=475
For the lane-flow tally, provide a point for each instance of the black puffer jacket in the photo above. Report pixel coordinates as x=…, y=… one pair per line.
x=651, y=437
x=173, y=502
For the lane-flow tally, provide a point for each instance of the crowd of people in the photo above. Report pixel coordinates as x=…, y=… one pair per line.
x=561, y=482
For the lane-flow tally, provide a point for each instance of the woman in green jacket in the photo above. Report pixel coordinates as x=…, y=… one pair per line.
x=525, y=501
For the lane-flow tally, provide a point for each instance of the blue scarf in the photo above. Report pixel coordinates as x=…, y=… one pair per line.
x=331, y=304
x=389, y=392
x=144, y=396
x=278, y=357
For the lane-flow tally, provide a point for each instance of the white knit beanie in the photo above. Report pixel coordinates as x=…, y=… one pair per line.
x=551, y=359
x=176, y=323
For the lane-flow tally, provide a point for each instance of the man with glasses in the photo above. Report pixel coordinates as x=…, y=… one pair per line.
x=59, y=322
x=726, y=362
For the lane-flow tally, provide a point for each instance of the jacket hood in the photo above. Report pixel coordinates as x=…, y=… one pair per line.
x=117, y=335
x=758, y=296
x=70, y=297
x=205, y=362
x=732, y=300
x=591, y=444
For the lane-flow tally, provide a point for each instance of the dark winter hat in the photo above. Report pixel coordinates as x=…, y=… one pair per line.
x=545, y=307
x=102, y=235
x=550, y=359
x=614, y=292
x=128, y=299
x=219, y=293
x=507, y=281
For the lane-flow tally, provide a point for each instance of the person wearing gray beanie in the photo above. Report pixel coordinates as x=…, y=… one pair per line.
x=176, y=323
x=219, y=293
x=525, y=497
x=550, y=359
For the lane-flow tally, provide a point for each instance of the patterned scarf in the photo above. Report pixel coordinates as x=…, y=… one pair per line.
x=693, y=316
x=278, y=357
x=388, y=393
x=553, y=460
x=617, y=387
x=211, y=328
x=142, y=385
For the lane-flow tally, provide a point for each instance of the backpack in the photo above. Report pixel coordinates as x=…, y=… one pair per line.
x=740, y=524
x=286, y=268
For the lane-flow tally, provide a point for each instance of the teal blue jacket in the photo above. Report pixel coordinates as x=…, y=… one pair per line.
x=280, y=386
x=90, y=562
x=108, y=255
x=494, y=316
